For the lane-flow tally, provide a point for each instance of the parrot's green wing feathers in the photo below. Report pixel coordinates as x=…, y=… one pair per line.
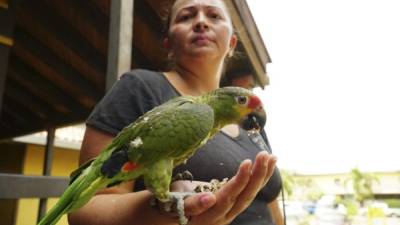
x=75, y=174
x=173, y=130
x=130, y=131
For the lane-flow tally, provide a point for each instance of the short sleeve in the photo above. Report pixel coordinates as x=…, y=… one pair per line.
x=129, y=98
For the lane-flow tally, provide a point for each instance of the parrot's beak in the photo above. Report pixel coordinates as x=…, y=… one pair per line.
x=257, y=118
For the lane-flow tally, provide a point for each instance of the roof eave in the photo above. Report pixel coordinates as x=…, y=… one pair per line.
x=250, y=38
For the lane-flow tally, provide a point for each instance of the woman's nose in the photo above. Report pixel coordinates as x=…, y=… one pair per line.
x=201, y=23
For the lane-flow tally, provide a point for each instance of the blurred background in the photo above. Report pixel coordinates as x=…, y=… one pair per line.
x=332, y=107
x=326, y=70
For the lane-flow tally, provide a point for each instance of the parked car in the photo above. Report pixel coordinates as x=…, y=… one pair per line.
x=329, y=212
x=310, y=206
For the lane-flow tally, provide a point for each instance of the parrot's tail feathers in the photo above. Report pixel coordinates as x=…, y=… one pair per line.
x=75, y=196
x=54, y=215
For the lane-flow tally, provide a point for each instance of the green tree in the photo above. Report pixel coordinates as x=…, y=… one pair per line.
x=362, y=184
x=288, y=182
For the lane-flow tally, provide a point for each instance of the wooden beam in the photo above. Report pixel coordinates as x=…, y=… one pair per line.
x=120, y=40
x=35, y=83
x=17, y=122
x=94, y=16
x=146, y=35
x=85, y=66
x=4, y=52
x=37, y=92
x=91, y=25
x=42, y=88
x=160, y=7
x=250, y=38
x=4, y=4
x=7, y=41
x=104, y=6
x=63, y=40
x=251, y=28
x=7, y=23
x=139, y=60
x=35, y=105
x=33, y=52
x=150, y=16
x=14, y=121
x=13, y=186
x=148, y=29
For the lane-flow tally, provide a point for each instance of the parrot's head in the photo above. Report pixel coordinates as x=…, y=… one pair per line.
x=234, y=105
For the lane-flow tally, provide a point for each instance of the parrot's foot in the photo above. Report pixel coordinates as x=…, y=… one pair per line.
x=213, y=186
x=179, y=198
x=185, y=175
x=175, y=204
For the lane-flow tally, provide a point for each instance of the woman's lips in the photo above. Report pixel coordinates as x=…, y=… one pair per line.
x=201, y=39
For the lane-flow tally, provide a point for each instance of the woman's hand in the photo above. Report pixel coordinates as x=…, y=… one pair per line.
x=233, y=197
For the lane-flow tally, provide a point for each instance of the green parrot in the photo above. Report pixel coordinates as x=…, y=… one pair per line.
x=154, y=144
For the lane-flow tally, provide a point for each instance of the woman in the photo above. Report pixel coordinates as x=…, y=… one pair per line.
x=200, y=37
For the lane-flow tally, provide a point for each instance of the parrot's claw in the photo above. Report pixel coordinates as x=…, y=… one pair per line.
x=175, y=204
x=213, y=186
x=185, y=175
x=179, y=198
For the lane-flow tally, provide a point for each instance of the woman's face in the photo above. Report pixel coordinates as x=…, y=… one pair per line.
x=200, y=28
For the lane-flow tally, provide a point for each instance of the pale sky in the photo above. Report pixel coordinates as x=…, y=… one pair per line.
x=333, y=102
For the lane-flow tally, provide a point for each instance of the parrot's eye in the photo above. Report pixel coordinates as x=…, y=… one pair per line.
x=242, y=100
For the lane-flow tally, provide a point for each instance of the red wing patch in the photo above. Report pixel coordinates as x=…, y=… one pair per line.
x=129, y=166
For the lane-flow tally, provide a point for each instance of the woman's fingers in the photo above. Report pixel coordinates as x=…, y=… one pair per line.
x=199, y=203
x=262, y=170
x=226, y=196
x=233, y=197
x=271, y=168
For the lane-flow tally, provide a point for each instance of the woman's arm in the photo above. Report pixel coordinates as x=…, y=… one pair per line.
x=276, y=212
x=131, y=208
x=93, y=142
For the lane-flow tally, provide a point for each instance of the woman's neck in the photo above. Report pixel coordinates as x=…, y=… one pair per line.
x=195, y=80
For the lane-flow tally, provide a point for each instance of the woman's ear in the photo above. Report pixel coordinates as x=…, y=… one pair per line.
x=166, y=43
x=232, y=45
x=233, y=42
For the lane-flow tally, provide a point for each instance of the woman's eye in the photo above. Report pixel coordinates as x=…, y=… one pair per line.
x=183, y=18
x=242, y=100
x=215, y=16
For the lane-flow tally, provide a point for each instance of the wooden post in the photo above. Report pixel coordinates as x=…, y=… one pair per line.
x=119, y=40
x=48, y=161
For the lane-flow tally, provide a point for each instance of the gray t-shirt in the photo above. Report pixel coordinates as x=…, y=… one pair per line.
x=139, y=91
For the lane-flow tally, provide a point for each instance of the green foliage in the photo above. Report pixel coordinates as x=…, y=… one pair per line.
x=314, y=194
x=352, y=207
x=393, y=203
x=288, y=182
x=362, y=184
x=305, y=186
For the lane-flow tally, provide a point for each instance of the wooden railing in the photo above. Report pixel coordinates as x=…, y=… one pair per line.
x=15, y=186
